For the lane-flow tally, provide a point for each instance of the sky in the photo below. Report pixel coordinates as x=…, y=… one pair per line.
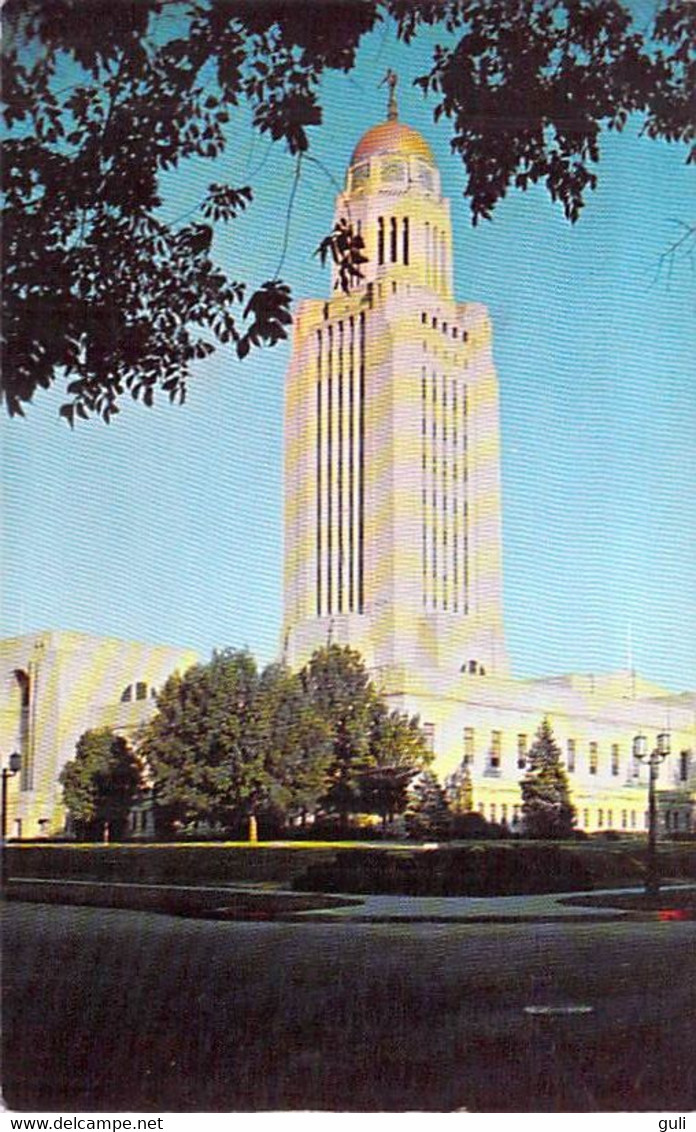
x=166, y=525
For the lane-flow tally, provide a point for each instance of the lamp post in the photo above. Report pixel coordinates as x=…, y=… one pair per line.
x=15, y=761
x=653, y=759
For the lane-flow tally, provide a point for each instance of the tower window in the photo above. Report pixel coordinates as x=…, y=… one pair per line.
x=405, y=240
x=496, y=747
x=141, y=690
x=521, y=751
x=684, y=766
x=380, y=240
x=392, y=239
x=594, y=758
x=615, y=759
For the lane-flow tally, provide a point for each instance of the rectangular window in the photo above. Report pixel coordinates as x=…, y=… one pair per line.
x=585, y=819
x=493, y=811
x=570, y=755
x=469, y=741
x=633, y=819
x=600, y=819
x=594, y=758
x=392, y=239
x=684, y=766
x=380, y=240
x=615, y=759
x=496, y=747
x=624, y=819
x=405, y=240
x=503, y=814
x=521, y=751
x=429, y=732
x=610, y=819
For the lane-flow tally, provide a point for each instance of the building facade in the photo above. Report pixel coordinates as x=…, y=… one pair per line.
x=53, y=687
x=393, y=516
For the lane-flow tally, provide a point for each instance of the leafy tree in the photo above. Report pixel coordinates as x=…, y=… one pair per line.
x=459, y=790
x=101, y=784
x=340, y=691
x=297, y=743
x=397, y=752
x=205, y=745
x=546, y=806
x=428, y=814
x=101, y=99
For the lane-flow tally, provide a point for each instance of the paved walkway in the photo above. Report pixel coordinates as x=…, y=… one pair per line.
x=476, y=909
x=217, y=902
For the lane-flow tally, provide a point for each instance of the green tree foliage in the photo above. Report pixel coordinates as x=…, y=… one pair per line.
x=228, y=742
x=104, y=291
x=546, y=806
x=205, y=747
x=340, y=691
x=297, y=744
x=459, y=790
x=428, y=815
x=101, y=784
x=397, y=752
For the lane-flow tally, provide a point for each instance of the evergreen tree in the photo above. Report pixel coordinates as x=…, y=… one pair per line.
x=546, y=806
x=459, y=790
x=428, y=814
x=101, y=784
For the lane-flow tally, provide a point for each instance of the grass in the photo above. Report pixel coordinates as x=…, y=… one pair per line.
x=124, y=1011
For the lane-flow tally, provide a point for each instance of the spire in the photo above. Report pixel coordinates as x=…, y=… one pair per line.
x=391, y=79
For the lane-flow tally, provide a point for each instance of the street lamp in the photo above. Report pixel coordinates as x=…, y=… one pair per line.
x=653, y=759
x=15, y=761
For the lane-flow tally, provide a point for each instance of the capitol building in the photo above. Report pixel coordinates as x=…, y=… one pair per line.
x=393, y=534
x=393, y=545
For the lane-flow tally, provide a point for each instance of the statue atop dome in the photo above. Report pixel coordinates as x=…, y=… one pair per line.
x=391, y=79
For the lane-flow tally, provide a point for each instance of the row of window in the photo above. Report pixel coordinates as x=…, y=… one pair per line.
x=340, y=472
x=495, y=747
x=394, y=172
x=388, y=234
x=676, y=821
x=444, y=485
x=136, y=691
x=443, y=326
x=394, y=246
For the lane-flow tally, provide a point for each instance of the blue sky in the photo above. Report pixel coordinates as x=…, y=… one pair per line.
x=166, y=525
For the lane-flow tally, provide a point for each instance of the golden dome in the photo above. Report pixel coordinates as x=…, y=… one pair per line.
x=392, y=137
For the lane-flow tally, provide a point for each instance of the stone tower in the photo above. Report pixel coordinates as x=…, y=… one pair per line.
x=392, y=478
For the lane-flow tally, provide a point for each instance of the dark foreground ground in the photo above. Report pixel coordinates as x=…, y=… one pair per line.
x=110, y=1009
